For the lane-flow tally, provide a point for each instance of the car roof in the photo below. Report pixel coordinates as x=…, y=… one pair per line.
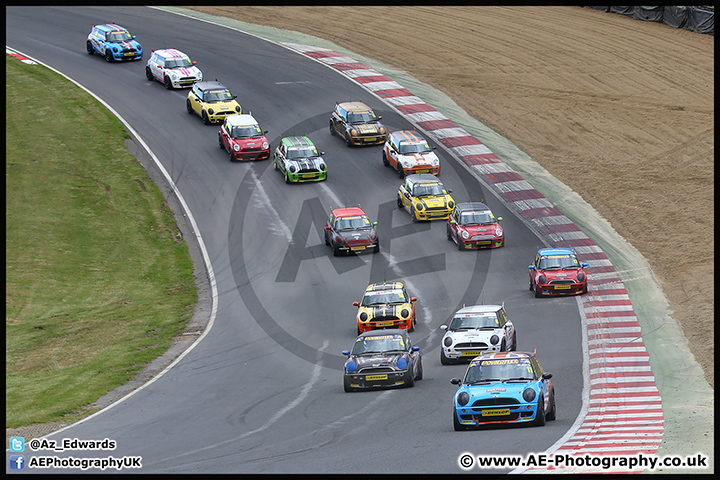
x=556, y=251
x=297, y=141
x=352, y=106
x=240, y=120
x=407, y=136
x=422, y=177
x=498, y=355
x=472, y=206
x=386, y=331
x=210, y=85
x=479, y=309
x=170, y=52
x=111, y=27
x=376, y=287
x=348, y=211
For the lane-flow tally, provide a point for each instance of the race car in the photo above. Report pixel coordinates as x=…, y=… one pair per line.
x=558, y=271
x=477, y=330
x=424, y=197
x=212, y=101
x=172, y=68
x=114, y=43
x=408, y=152
x=382, y=359
x=472, y=225
x=386, y=305
x=349, y=230
x=508, y=387
x=357, y=124
x=243, y=139
x=299, y=161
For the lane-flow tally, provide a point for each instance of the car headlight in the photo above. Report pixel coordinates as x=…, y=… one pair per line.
x=465, y=234
x=266, y=145
x=382, y=130
x=292, y=168
x=419, y=206
x=404, y=313
x=211, y=111
x=353, y=132
x=447, y=341
x=529, y=395
x=363, y=316
x=542, y=279
x=323, y=167
x=373, y=237
x=339, y=239
x=402, y=363
x=494, y=339
x=405, y=164
x=237, y=108
x=350, y=366
x=498, y=232
x=451, y=204
x=116, y=49
x=236, y=147
x=463, y=398
x=581, y=277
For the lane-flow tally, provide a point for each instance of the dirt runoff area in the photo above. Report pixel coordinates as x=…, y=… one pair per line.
x=620, y=110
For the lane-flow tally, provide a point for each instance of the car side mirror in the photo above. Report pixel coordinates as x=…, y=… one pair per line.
x=499, y=219
x=194, y=62
x=415, y=348
x=379, y=117
x=327, y=227
x=413, y=299
x=357, y=304
x=265, y=132
x=531, y=267
x=346, y=352
x=453, y=222
x=374, y=224
x=456, y=381
x=449, y=190
x=443, y=327
x=547, y=376
x=584, y=265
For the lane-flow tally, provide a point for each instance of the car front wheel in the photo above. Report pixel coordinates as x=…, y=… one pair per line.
x=148, y=74
x=167, y=83
x=89, y=48
x=108, y=55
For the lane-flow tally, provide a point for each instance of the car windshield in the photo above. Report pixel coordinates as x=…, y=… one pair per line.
x=475, y=321
x=379, y=344
x=428, y=189
x=117, y=37
x=302, y=152
x=384, y=297
x=499, y=370
x=178, y=63
x=352, y=223
x=362, y=117
x=410, y=148
x=247, y=131
x=557, y=262
x=468, y=219
x=211, y=96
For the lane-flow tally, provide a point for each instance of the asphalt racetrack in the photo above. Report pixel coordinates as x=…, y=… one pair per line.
x=262, y=392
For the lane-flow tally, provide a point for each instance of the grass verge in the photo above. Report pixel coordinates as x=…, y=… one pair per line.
x=98, y=278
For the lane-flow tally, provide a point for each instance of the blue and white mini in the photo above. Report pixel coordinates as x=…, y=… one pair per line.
x=505, y=387
x=114, y=43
